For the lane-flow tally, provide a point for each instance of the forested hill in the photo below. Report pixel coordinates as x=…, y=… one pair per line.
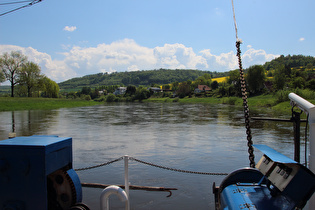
x=145, y=77
x=291, y=61
x=167, y=76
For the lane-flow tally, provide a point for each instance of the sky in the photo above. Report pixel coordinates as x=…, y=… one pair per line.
x=73, y=38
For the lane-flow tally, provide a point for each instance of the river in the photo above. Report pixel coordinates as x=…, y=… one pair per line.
x=195, y=137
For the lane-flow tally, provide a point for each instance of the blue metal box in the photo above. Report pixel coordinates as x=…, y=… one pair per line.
x=25, y=163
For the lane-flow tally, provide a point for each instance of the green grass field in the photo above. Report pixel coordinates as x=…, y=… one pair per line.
x=267, y=102
x=16, y=103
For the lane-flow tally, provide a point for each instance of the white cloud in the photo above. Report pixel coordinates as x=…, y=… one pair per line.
x=253, y=57
x=301, y=39
x=127, y=55
x=54, y=69
x=70, y=28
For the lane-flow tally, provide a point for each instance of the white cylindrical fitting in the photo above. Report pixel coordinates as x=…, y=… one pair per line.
x=112, y=190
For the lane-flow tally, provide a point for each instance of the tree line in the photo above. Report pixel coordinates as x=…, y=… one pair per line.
x=25, y=77
x=137, y=78
x=283, y=73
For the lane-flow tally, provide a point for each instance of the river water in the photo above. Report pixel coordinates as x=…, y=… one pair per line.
x=195, y=137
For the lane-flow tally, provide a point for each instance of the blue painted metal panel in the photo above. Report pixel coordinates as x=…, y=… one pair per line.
x=288, y=184
x=248, y=196
x=25, y=163
x=273, y=154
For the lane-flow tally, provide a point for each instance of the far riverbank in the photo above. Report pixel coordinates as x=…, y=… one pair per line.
x=256, y=102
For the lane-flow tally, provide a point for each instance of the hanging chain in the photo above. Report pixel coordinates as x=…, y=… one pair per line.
x=177, y=170
x=152, y=164
x=100, y=165
x=246, y=109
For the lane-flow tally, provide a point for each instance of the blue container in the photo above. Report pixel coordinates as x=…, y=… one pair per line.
x=25, y=163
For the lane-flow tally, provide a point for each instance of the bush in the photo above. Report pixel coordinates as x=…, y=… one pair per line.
x=176, y=100
x=100, y=99
x=86, y=97
x=110, y=98
x=282, y=95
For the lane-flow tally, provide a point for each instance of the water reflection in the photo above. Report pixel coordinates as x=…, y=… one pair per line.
x=199, y=137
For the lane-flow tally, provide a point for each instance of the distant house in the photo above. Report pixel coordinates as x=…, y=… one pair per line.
x=202, y=88
x=155, y=89
x=120, y=91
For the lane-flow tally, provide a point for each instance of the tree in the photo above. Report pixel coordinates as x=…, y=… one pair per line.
x=11, y=64
x=142, y=93
x=131, y=90
x=50, y=88
x=175, y=86
x=279, y=78
x=214, y=85
x=256, y=78
x=29, y=76
x=86, y=90
x=2, y=77
x=235, y=83
x=203, y=80
x=183, y=90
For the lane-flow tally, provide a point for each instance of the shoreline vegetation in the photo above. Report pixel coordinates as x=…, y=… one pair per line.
x=25, y=103
x=262, y=102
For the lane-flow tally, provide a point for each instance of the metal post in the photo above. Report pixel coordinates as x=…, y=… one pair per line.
x=126, y=158
x=296, y=117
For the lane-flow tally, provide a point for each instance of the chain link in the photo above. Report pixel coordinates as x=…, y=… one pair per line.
x=100, y=165
x=246, y=109
x=177, y=170
x=150, y=164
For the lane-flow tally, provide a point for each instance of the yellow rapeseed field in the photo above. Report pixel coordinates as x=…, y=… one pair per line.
x=220, y=79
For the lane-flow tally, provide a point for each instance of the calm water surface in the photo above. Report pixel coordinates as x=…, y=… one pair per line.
x=196, y=137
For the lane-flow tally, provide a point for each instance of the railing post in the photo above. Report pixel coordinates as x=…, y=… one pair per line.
x=296, y=117
x=126, y=158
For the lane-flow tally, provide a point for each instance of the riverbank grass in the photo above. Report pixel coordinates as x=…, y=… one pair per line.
x=17, y=103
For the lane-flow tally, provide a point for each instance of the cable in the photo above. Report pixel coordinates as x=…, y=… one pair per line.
x=17, y=2
x=27, y=5
x=234, y=20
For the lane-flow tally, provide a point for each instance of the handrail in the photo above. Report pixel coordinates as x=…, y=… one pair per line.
x=309, y=108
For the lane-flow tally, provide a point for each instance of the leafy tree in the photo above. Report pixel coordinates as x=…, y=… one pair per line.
x=203, y=80
x=50, y=88
x=86, y=90
x=255, y=78
x=214, y=85
x=183, y=90
x=175, y=86
x=279, y=78
x=110, y=97
x=29, y=76
x=166, y=87
x=311, y=84
x=309, y=66
x=95, y=93
x=142, y=93
x=297, y=82
x=223, y=89
x=11, y=64
x=131, y=90
x=235, y=83
x=2, y=77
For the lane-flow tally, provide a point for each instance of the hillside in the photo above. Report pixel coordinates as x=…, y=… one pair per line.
x=145, y=77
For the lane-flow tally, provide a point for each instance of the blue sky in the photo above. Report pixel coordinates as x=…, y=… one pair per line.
x=71, y=38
